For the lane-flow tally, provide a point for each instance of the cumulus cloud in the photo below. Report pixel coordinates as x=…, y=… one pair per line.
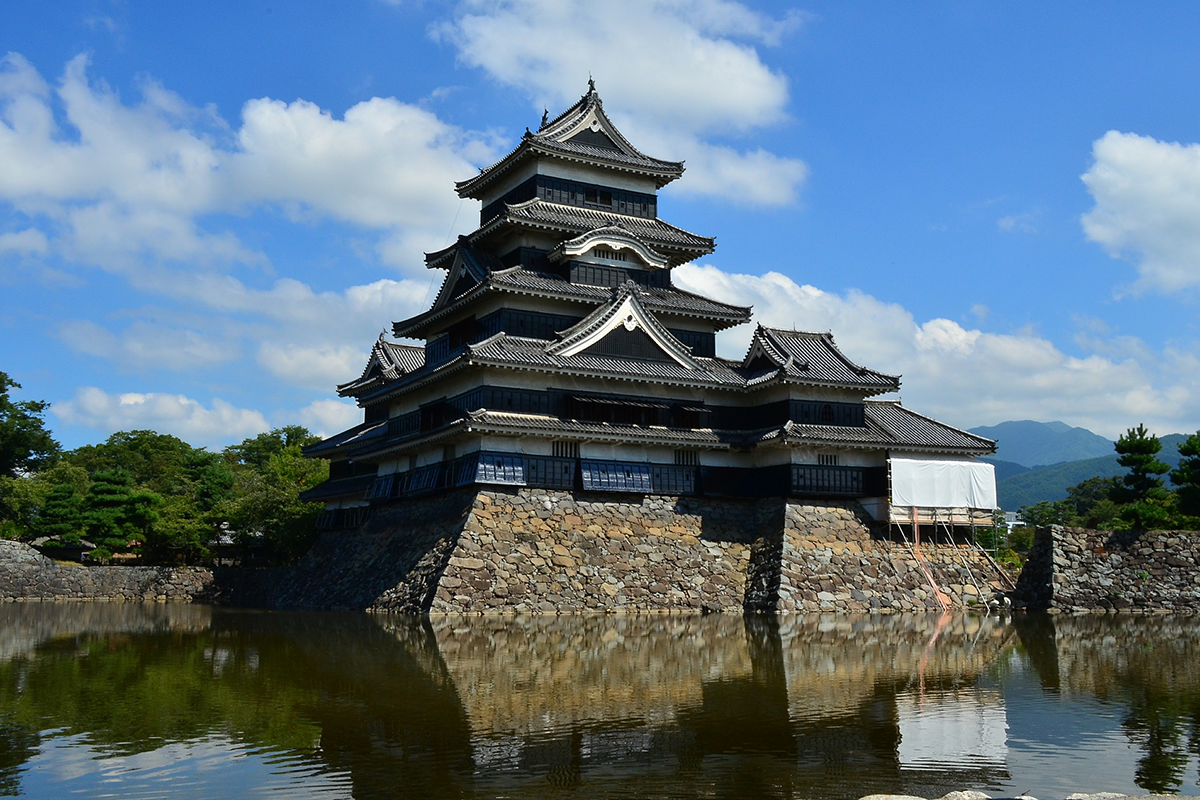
x=29, y=242
x=146, y=345
x=120, y=183
x=217, y=425
x=708, y=78
x=970, y=377
x=317, y=367
x=1147, y=208
x=327, y=417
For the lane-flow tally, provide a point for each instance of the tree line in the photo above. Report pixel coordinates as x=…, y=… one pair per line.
x=154, y=496
x=1140, y=499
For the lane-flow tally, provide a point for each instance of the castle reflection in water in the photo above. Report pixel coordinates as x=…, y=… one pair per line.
x=626, y=706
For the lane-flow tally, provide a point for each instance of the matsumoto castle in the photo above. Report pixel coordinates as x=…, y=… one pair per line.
x=559, y=354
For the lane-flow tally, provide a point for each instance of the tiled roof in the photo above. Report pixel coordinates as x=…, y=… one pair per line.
x=626, y=301
x=557, y=137
x=659, y=300
x=910, y=428
x=888, y=426
x=388, y=361
x=502, y=421
x=576, y=220
x=519, y=352
x=539, y=284
x=811, y=358
x=360, y=434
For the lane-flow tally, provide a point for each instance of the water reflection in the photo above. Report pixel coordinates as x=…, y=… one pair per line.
x=139, y=697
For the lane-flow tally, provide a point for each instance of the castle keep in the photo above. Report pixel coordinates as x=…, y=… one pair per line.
x=559, y=354
x=564, y=377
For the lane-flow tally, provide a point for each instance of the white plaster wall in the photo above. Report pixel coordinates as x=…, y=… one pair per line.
x=513, y=179
x=589, y=174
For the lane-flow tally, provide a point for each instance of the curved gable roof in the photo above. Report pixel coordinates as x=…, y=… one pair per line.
x=625, y=311
x=811, y=358
x=581, y=133
x=387, y=362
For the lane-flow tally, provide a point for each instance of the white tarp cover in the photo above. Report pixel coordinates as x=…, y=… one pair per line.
x=943, y=484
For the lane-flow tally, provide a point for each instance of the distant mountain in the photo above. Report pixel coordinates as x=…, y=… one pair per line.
x=1051, y=483
x=1015, y=490
x=1005, y=469
x=1035, y=444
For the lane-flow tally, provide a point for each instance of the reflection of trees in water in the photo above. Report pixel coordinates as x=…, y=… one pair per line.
x=1155, y=724
x=18, y=743
x=333, y=688
x=1148, y=664
x=631, y=706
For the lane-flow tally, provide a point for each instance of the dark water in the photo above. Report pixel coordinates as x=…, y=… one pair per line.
x=184, y=701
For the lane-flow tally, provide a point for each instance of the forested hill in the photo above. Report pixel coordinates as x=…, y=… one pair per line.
x=1036, y=444
x=1017, y=486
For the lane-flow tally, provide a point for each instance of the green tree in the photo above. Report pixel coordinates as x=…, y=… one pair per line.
x=116, y=517
x=25, y=444
x=190, y=481
x=23, y=500
x=1138, y=449
x=1146, y=503
x=1091, y=503
x=158, y=461
x=1046, y=512
x=61, y=517
x=265, y=507
x=1187, y=476
x=257, y=451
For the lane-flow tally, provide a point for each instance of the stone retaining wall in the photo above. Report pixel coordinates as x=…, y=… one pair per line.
x=1076, y=569
x=26, y=574
x=545, y=551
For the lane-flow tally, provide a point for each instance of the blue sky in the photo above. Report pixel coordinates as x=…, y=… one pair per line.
x=208, y=212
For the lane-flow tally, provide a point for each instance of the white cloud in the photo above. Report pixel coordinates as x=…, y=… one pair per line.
x=144, y=189
x=672, y=73
x=1018, y=223
x=144, y=345
x=969, y=377
x=318, y=367
x=29, y=242
x=220, y=424
x=1147, y=207
x=327, y=417
x=125, y=183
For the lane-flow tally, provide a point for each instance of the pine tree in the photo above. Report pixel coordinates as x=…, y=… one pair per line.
x=1147, y=503
x=1187, y=476
x=1139, y=454
x=61, y=516
x=116, y=516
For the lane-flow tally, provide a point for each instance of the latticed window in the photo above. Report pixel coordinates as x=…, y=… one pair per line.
x=565, y=449
x=827, y=459
x=687, y=458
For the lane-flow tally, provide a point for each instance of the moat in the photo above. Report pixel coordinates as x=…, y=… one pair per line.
x=160, y=700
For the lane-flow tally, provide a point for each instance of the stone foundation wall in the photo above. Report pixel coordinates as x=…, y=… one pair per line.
x=830, y=560
x=26, y=574
x=544, y=551
x=550, y=551
x=1076, y=569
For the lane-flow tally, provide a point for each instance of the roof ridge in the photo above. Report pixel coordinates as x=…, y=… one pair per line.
x=939, y=423
x=595, y=324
